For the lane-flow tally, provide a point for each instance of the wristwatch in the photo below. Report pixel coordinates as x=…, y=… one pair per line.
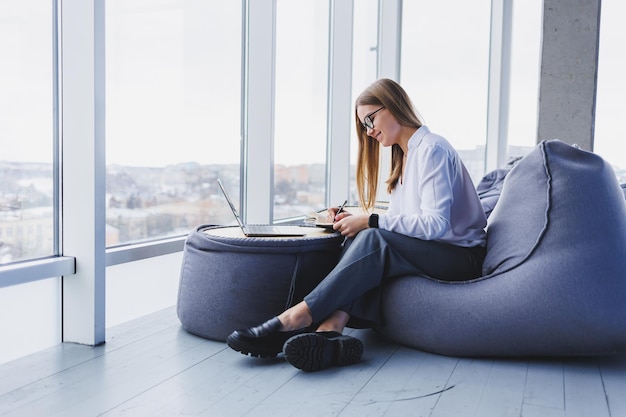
x=373, y=221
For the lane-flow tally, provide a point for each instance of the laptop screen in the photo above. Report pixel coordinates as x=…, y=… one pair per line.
x=230, y=203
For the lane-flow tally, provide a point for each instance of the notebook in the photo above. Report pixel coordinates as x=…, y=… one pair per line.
x=255, y=230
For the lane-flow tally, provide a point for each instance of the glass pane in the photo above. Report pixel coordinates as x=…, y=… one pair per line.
x=26, y=130
x=301, y=96
x=447, y=78
x=524, y=87
x=173, y=76
x=609, y=130
x=364, y=65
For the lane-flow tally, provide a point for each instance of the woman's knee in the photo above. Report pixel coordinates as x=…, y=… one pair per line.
x=369, y=234
x=367, y=239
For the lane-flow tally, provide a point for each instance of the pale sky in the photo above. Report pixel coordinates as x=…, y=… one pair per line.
x=162, y=75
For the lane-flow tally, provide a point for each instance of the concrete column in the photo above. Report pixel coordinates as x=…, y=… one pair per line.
x=569, y=63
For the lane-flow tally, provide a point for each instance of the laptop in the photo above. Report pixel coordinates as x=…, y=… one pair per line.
x=256, y=230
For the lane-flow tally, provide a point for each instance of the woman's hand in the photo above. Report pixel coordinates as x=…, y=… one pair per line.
x=331, y=213
x=350, y=224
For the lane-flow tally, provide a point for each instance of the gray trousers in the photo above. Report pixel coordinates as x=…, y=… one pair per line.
x=375, y=255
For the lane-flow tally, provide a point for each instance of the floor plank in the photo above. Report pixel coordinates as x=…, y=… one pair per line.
x=544, y=385
x=152, y=367
x=613, y=370
x=467, y=382
x=99, y=384
x=584, y=390
x=314, y=394
x=504, y=390
x=409, y=383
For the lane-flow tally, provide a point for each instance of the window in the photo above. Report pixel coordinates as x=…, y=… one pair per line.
x=609, y=127
x=26, y=130
x=173, y=81
x=524, y=82
x=301, y=107
x=447, y=78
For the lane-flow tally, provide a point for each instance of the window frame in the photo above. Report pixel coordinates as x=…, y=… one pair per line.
x=257, y=84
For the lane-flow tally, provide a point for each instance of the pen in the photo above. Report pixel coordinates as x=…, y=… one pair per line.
x=341, y=208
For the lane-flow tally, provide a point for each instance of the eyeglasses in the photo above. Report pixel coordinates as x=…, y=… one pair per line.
x=368, y=122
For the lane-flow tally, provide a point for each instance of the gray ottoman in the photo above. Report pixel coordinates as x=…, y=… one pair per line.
x=230, y=282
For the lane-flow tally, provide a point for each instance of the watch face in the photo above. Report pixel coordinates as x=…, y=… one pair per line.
x=373, y=221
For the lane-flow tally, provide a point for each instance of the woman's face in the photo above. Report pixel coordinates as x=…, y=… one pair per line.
x=386, y=128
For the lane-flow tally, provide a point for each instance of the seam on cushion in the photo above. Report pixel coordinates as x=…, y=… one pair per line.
x=292, y=285
x=543, y=230
x=542, y=233
x=546, y=166
x=183, y=268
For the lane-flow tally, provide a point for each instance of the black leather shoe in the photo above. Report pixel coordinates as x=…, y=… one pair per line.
x=263, y=341
x=317, y=351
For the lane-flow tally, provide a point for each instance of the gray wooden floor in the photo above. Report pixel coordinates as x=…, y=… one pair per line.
x=151, y=367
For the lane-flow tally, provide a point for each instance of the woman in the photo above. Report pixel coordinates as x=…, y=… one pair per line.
x=434, y=226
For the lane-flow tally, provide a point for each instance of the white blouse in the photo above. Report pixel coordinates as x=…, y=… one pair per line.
x=436, y=198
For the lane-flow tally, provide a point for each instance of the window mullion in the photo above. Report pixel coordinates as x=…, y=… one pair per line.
x=339, y=101
x=498, y=85
x=257, y=165
x=83, y=169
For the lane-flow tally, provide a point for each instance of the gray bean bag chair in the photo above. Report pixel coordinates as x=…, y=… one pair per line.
x=554, y=279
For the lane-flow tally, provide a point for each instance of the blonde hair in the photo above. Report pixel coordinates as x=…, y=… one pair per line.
x=387, y=93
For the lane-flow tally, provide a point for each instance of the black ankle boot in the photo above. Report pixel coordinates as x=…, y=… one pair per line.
x=262, y=341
